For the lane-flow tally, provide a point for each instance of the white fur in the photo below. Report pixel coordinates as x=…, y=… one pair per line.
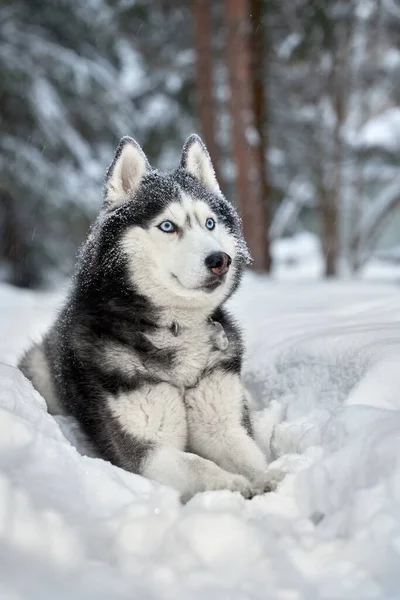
x=170, y=268
x=129, y=169
x=157, y=414
x=153, y=413
x=116, y=357
x=190, y=474
x=215, y=430
x=38, y=370
x=198, y=164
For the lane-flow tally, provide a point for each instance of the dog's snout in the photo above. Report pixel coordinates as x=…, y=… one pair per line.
x=218, y=262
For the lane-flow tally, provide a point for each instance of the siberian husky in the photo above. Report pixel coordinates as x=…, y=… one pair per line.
x=143, y=354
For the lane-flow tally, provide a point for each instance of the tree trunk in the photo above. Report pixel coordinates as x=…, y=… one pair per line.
x=259, y=58
x=327, y=199
x=245, y=135
x=332, y=199
x=330, y=237
x=204, y=74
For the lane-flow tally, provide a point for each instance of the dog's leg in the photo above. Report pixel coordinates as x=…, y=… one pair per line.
x=147, y=429
x=217, y=430
x=190, y=474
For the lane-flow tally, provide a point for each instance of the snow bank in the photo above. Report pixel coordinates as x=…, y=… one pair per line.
x=322, y=370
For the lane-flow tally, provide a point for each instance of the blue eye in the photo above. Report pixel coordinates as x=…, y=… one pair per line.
x=167, y=227
x=210, y=223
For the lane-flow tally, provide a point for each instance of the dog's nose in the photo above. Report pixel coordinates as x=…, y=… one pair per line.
x=218, y=262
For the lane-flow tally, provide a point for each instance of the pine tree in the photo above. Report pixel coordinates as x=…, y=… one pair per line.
x=62, y=111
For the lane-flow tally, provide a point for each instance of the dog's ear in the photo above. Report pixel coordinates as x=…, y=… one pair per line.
x=196, y=161
x=125, y=173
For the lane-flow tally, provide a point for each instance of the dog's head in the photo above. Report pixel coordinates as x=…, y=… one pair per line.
x=179, y=237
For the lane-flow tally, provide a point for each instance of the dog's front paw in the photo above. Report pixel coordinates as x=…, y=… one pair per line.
x=236, y=483
x=268, y=481
x=224, y=481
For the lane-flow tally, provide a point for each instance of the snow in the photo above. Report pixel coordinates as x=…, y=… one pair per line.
x=382, y=132
x=322, y=371
x=391, y=60
x=386, y=201
x=289, y=44
x=299, y=257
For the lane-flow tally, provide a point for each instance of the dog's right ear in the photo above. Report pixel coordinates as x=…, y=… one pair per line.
x=125, y=173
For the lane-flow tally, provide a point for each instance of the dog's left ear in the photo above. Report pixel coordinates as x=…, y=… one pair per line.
x=126, y=172
x=196, y=161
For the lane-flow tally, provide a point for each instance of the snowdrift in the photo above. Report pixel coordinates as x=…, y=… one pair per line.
x=323, y=372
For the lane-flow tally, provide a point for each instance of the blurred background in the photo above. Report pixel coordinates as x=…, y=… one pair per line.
x=297, y=101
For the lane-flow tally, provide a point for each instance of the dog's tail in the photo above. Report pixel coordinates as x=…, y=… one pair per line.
x=35, y=366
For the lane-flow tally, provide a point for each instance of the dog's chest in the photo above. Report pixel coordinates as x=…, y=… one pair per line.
x=193, y=350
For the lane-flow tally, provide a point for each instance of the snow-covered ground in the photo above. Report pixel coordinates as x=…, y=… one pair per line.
x=323, y=368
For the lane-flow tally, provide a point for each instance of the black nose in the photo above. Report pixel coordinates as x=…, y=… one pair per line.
x=218, y=262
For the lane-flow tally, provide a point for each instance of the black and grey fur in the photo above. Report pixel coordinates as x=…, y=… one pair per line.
x=143, y=354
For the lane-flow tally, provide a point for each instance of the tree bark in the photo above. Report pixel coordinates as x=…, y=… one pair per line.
x=259, y=60
x=204, y=75
x=333, y=212
x=245, y=135
x=327, y=199
x=330, y=242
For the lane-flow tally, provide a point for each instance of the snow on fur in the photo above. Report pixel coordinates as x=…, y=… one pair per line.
x=323, y=372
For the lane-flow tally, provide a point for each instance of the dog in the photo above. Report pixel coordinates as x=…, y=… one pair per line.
x=143, y=354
